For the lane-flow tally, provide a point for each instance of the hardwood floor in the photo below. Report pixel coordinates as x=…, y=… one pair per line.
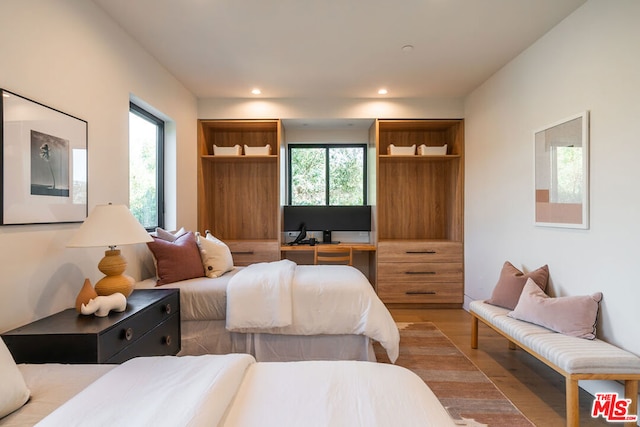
x=538, y=391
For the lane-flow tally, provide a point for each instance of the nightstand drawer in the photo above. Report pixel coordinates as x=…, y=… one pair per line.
x=162, y=340
x=128, y=332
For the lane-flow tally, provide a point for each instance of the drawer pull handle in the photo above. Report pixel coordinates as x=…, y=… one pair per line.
x=128, y=334
x=419, y=272
x=420, y=292
x=420, y=252
x=167, y=309
x=167, y=340
x=242, y=252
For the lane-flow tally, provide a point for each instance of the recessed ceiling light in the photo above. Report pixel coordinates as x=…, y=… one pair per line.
x=382, y=92
x=256, y=91
x=407, y=48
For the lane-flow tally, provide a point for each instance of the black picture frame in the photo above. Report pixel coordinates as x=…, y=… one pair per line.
x=43, y=163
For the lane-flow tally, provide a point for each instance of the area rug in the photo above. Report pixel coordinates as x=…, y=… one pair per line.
x=462, y=388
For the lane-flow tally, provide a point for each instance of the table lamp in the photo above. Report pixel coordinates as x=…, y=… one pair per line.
x=111, y=225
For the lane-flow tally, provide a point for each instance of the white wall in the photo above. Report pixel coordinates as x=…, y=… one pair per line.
x=329, y=108
x=588, y=62
x=69, y=55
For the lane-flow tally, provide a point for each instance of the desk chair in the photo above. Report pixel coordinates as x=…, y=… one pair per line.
x=333, y=254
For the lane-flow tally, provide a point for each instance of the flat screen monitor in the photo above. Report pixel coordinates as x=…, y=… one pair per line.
x=331, y=218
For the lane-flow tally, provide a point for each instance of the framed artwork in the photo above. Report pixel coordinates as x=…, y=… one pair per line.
x=562, y=173
x=43, y=163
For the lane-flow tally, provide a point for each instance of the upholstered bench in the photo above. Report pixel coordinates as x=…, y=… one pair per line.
x=575, y=358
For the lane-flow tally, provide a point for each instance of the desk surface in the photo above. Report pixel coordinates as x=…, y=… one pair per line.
x=308, y=248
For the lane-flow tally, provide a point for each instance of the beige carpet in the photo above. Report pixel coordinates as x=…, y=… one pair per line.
x=462, y=388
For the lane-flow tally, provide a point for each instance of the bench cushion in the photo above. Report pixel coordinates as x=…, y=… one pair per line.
x=571, y=354
x=579, y=356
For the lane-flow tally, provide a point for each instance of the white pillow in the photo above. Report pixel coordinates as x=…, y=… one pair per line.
x=215, y=254
x=169, y=236
x=13, y=390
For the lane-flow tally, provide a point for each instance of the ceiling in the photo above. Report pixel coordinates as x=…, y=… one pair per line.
x=335, y=48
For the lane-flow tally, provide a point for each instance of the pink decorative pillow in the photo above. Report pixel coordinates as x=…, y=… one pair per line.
x=511, y=282
x=177, y=260
x=574, y=315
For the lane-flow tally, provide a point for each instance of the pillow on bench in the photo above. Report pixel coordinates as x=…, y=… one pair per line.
x=572, y=315
x=512, y=281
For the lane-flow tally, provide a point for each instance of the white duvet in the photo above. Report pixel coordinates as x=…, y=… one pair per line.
x=235, y=391
x=334, y=394
x=316, y=300
x=157, y=391
x=260, y=296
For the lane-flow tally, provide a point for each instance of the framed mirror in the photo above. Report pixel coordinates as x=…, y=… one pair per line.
x=562, y=173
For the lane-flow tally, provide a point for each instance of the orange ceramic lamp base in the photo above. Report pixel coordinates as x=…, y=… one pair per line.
x=113, y=265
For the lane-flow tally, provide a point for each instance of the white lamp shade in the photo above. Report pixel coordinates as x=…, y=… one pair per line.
x=109, y=225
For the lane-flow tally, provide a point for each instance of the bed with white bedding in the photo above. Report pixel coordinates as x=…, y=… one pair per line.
x=226, y=390
x=281, y=311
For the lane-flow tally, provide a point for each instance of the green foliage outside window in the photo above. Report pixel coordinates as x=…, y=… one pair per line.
x=346, y=176
x=336, y=171
x=143, y=191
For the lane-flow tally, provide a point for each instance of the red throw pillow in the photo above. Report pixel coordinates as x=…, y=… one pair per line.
x=177, y=260
x=511, y=282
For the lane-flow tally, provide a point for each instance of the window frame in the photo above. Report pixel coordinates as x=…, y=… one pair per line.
x=327, y=147
x=159, y=123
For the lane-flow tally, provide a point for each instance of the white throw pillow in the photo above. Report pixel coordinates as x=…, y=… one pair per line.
x=170, y=236
x=216, y=256
x=13, y=390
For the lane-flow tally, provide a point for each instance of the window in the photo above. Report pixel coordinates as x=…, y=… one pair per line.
x=327, y=174
x=146, y=146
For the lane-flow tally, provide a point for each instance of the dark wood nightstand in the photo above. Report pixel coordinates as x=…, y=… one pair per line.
x=150, y=326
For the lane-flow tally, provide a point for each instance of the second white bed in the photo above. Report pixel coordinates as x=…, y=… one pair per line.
x=231, y=391
x=336, y=315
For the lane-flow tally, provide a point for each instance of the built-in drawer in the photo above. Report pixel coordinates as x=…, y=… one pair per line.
x=247, y=252
x=420, y=272
x=419, y=251
x=417, y=293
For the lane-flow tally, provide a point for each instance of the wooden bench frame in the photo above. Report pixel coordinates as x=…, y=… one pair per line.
x=571, y=380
